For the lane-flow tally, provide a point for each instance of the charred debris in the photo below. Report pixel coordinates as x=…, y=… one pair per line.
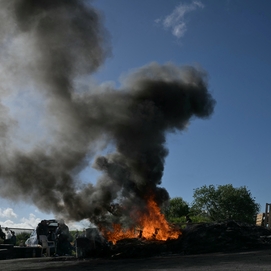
x=227, y=236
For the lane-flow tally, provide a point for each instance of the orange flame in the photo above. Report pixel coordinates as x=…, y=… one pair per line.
x=152, y=226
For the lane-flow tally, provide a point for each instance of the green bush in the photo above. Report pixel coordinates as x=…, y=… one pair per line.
x=22, y=237
x=175, y=208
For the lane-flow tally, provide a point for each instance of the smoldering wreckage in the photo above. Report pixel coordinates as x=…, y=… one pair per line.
x=226, y=236
x=48, y=48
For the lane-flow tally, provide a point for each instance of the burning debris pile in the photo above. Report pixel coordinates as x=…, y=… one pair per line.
x=151, y=225
x=228, y=236
x=48, y=48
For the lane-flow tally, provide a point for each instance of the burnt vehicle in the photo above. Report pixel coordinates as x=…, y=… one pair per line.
x=52, y=226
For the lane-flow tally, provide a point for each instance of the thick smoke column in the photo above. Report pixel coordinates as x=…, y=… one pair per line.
x=52, y=43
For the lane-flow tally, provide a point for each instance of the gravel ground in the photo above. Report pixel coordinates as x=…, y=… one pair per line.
x=252, y=260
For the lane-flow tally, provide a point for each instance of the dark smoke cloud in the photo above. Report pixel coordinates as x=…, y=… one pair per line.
x=46, y=45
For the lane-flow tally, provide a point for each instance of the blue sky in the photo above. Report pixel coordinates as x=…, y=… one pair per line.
x=231, y=40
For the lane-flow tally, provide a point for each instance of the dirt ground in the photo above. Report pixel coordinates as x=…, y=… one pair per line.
x=252, y=260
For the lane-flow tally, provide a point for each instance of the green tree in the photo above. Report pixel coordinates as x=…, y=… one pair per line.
x=175, y=208
x=225, y=202
x=22, y=237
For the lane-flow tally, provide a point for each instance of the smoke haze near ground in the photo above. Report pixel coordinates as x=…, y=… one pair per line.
x=46, y=46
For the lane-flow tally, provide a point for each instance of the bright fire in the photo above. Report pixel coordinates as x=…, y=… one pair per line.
x=152, y=226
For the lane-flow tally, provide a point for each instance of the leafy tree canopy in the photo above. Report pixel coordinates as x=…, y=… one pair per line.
x=176, y=208
x=226, y=202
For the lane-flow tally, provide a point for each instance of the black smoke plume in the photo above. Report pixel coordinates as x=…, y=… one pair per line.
x=47, y=48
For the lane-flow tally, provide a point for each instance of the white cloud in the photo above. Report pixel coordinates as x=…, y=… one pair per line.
x=175, y=21
x=179, y=30
x=7, y=213
x=25, y=223
x=32, y=222
x=158, y=20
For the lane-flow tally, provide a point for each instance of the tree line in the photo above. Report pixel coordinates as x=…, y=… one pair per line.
x=213, y=203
